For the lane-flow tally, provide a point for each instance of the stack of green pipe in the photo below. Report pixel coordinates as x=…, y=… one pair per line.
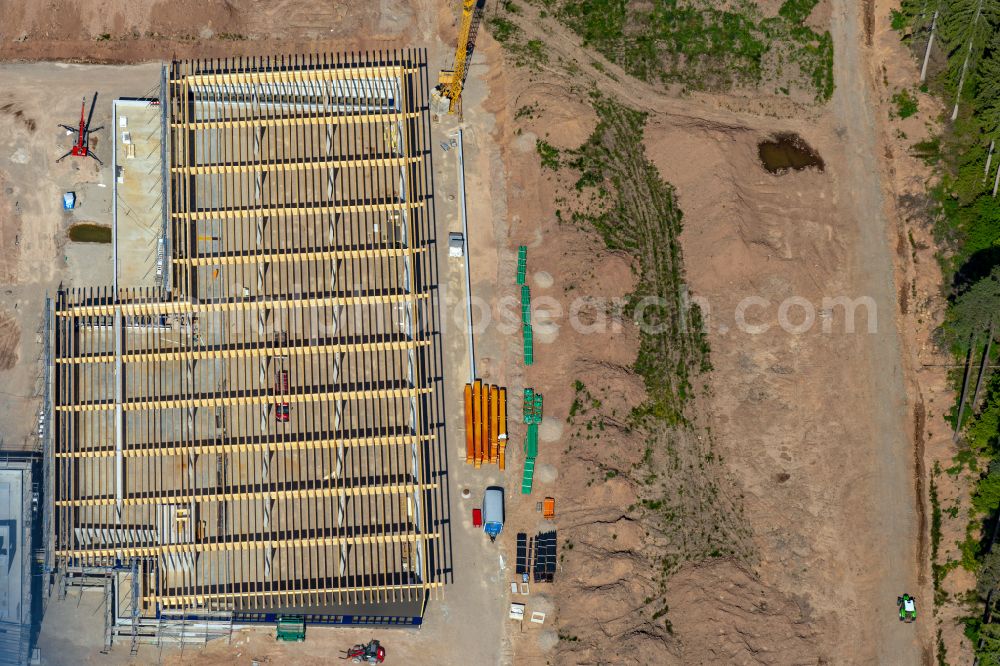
x=529, y=349
x=532, y=417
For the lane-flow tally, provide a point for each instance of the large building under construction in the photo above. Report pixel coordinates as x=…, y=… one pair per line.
x=252, y=434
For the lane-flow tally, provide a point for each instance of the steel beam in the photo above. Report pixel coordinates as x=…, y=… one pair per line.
x=254, y=167
x=184, y=307
x=285, y=121
x=297, y=494
x=249, y=447
x=250, y=351
x=189, y=600
x=230, y=400
x=388, y=205
x=308, y=255
x=345, y=72
x=258, y=542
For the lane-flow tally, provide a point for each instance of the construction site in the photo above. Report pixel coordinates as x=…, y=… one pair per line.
x=251, y=436
x=426, y=332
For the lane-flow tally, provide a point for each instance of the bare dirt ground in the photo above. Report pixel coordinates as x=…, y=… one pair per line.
x=816, y=432
x=816, y=428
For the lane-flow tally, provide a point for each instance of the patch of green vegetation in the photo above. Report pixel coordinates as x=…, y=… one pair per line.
x=526, y=111
x=906, y=104
x=548, y=153
x=928, y=150
x=636, y=211
x=797, y=11
x=701, y=45
x=512, y=7
x=104, y=37
x=899, y=20
x=503, y=29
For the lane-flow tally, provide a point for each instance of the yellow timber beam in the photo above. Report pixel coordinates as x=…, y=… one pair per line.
x=317, y=255
x=284, y=121
x=244, y=167
x=281, y=211
x=250, y=447
x=189, y=600
x=261, y=542
x=260, y=349
x=346, y=72
x=305, y=493
x=230, y=400
x=184, y=307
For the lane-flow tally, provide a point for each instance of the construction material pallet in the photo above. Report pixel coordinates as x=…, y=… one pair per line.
x=485, y=424
x=544, y=568
x=521, y=560
x=529, y=476
x=532, y=407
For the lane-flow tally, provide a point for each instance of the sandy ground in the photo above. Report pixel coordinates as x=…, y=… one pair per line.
x=817, y=428
x=817, y=431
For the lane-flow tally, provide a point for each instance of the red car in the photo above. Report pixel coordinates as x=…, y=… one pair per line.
x=281, y=388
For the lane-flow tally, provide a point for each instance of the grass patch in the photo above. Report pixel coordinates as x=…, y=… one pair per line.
x=548, y=153
x=635, y=211
x=905, y=103
x=701, y=45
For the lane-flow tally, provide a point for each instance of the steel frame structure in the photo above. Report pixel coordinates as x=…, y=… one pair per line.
x=298, y=217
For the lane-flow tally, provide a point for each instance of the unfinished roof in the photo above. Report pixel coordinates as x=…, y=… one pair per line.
x=262, y=444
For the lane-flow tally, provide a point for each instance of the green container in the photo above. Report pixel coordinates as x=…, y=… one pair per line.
x=292, y=628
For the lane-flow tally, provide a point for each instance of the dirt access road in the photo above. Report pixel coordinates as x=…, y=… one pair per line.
x=897, y=531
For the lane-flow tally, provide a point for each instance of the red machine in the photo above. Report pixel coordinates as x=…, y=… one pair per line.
x=281, y=388
x=372, y=653
x=81, y=148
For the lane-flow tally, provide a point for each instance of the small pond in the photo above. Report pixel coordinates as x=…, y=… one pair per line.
x=86, y=232
x=788, y=151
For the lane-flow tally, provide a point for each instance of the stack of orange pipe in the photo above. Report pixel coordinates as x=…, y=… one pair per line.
x=485, y=424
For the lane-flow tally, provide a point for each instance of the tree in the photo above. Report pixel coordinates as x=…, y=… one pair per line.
x=965, y=29
x=971, y=312
x=988, y=88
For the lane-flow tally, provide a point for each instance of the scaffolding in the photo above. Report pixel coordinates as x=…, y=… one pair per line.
x=253, y=440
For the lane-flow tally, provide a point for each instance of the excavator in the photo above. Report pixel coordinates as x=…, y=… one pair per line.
x=450, y=81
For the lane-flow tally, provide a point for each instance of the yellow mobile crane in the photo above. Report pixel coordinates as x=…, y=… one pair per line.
x=450, y=81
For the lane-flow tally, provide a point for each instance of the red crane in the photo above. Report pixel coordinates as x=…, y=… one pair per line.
x=81, y=147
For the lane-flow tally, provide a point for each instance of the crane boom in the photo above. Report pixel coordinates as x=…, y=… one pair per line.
x=450, y=82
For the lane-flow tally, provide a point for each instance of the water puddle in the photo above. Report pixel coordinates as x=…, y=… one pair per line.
x=89, y=233
x=788, y=151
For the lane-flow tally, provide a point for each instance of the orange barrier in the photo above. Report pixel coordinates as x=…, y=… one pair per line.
x=470, y=451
